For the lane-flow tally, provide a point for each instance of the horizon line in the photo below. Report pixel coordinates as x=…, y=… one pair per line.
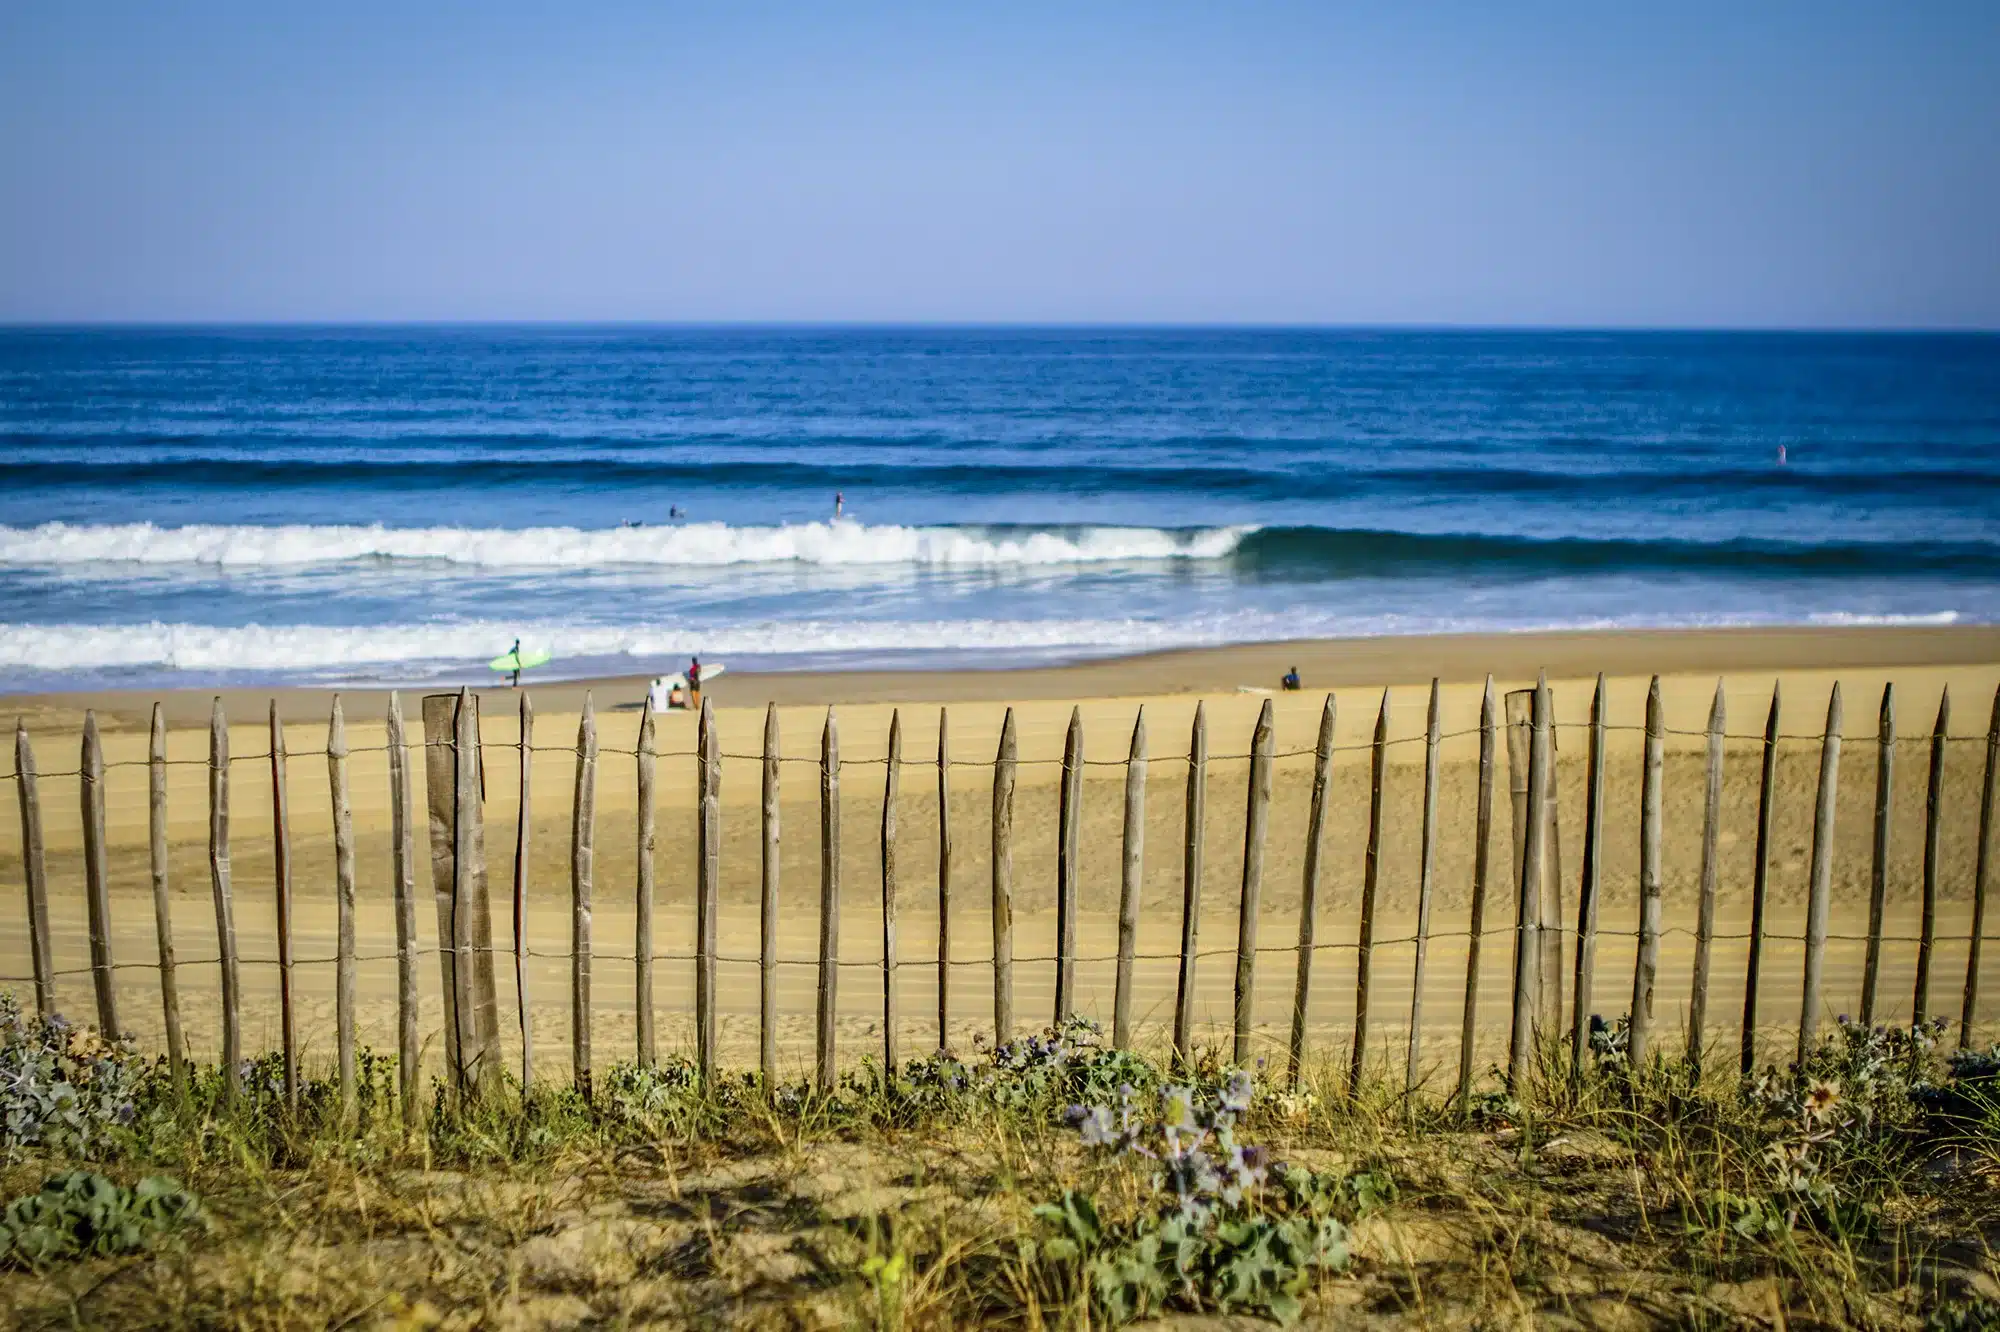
x=1002, y=325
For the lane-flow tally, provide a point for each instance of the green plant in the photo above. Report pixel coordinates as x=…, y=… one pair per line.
x=62, y=1086
x=82, y=1215
x=1221, y=1230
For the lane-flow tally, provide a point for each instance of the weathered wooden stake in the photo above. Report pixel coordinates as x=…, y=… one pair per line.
x=944, y=880
x=1933, y=818
x=163, y=926
x=1760, y=880
x=523, y=832
x=1983, y=859
x=1878, y=879
x=708, y=897
x=1426, y=879
x=891, y=784
x=646, y=754
x=1309, y=891
x=1519, y=705
x=1131, y=882
x=1646, y=966
x=582, y=858
x=1528, y=952
x=1482, y=845
x=1819, y=902
x=97, y=883
x=281, y=832
x=403, y=870
x=455, y=790
x=1587, y=890
x=1191, y=857
x=767, y=915
x=1256, y=821
x=1364, y=951
x=343, y=878
x=1068, y=814
x=1704, y=933
x=1003, y=882
x=225, y=908
x=34, y=866
x=829, y=899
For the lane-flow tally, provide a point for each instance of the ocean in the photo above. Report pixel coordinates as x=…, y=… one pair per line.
x=396, y=505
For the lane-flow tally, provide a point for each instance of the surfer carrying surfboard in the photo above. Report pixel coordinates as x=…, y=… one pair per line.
x=515, y=653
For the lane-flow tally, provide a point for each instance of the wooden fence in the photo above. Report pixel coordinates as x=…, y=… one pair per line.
x=455, y=777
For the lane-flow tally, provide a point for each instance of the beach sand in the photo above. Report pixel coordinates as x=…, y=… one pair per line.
x=1805, y=663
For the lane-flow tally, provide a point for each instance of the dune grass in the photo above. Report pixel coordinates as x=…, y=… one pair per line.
x=1050, y=1183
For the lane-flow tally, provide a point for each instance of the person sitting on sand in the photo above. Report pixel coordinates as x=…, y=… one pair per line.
x=1291, y=680
x=676, y=696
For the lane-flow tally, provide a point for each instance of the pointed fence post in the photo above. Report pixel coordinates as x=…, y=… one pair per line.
x=1587, y=890
x=455, y=790
x=1256, y=822
x=1760, y=882
x=163, y=926
x=1482, y=846
x=767, y=913
x=1068, y=815
x=646, y=840
x=1820, y=891
x=1933, y=815
x=1704, y=934
x=1426, y=877
x=1130, y=882
x=403, y=870
x=1983, y=859
x=1003, y=882
x=343, y=875
x=524, y=825
x=891, y=785
x=1364, y=950
x=708, y=900
x=1309, y=891
x=582, y=874
x=1646, y=966
x=1528, y=952
x=34, y=869
x=1878, y=879
x=97, y=884
x=281, y=834
x=1191, y=858
x=829, y=901
x=944, y=880
x=225, y=907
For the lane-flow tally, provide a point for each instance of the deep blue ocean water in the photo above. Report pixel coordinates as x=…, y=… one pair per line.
x=184, y=506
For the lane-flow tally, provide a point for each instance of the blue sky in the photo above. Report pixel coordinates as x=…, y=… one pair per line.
x=1773, y=164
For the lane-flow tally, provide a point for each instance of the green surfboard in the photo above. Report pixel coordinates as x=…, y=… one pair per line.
x=522, y=660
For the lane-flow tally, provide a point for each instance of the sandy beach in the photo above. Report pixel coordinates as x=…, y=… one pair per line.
x=1109, y=694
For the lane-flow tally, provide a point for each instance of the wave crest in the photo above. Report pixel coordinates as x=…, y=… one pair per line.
x=685, y=544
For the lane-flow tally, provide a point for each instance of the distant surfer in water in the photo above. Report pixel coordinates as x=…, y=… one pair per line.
x=839, y=503
x=1781, y=455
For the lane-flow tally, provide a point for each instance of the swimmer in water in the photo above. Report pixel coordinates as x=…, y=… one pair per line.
x=839, y=502
x=1781, y=455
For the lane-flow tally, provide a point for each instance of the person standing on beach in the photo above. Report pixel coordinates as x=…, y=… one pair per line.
x=515, y=681
x=694, y=685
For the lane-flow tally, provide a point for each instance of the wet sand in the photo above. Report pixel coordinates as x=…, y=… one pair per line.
x=1108, y=694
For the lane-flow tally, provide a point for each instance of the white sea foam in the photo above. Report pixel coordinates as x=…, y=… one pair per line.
x=311, y=648
x=684, y=544
x=1855, y=618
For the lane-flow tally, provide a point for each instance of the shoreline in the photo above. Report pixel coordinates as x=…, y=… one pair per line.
x=1323, y=664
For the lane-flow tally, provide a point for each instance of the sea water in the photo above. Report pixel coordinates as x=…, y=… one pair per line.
x=397, y=505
